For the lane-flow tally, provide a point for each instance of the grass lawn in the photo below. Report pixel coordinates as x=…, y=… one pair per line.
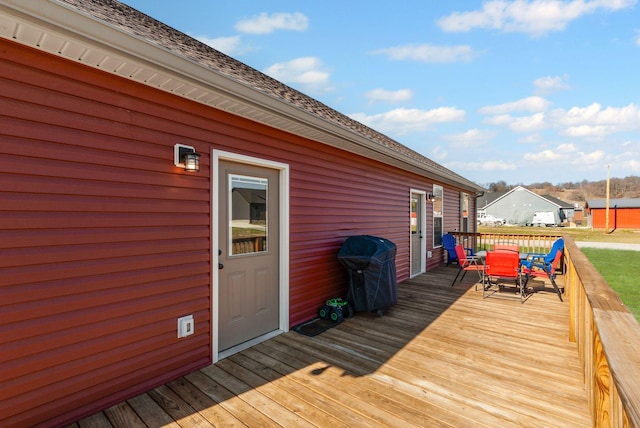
x=621, y=270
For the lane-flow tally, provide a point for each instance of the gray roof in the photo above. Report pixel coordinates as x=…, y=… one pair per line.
x=490, y=197
x=614, y=203
x=558, y=202
x=128, y=20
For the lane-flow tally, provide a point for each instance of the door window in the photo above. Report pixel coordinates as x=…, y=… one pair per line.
x=414, y=215
x=437, y=215
x=464, y=212
x=248, y=228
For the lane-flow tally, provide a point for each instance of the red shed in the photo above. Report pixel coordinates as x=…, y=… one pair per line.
x=623, y=213
x=112, y=250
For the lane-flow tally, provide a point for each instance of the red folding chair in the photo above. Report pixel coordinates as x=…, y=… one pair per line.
x=498, y=266
x=466, y=263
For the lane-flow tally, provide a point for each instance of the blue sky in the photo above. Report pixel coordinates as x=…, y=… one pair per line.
x=521, y=91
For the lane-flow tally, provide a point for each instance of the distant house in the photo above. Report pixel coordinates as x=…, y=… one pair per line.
x=623, y=213
x=578, y=216
x=521, y=206
x=112, y=249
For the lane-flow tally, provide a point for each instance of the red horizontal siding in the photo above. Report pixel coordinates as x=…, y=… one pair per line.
x=621, y=218
x=28, y=238
x=105, y=243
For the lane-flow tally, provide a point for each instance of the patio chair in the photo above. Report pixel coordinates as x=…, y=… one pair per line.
x=466, y=263
x=500, y=265
x=449, y=243
x=544, y=265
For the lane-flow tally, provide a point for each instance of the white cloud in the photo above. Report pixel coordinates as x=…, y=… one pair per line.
x=533, y=123
x=501, y=119
x=577, y=115
x=531, y=139
x=544, y=155
x=401, y=121
x=627, y=160
x=380, y=94
x=565, y=154
x=469, y=139
x=429, y=53
x=592, y=121
x=228, y=45
x=535, y=17
x=488, y=166
x=549, y=84
x=563, y=151
x=587, y=131
x=595, y=121
x=567, y=148
x=265, y=23
x=497, y=166
x=593, y=158
x=306, y=71
x=632, y=165
x=530, y=104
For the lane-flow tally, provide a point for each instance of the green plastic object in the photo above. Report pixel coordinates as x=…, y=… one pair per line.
x=337, y=302
x=336, y=310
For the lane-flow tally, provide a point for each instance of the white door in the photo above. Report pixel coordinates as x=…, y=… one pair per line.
x=249, y=252
x=417, y=227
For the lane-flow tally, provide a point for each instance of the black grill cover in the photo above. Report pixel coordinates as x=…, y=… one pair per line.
x=371, y=262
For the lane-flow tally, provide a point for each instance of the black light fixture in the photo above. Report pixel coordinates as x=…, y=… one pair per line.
x=430, y=197
x=186, y=157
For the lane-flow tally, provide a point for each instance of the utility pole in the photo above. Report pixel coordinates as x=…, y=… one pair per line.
x=606, y=210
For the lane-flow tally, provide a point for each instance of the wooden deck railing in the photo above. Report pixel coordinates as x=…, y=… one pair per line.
x=608, y=339
x=486, y=241
x=605, y=331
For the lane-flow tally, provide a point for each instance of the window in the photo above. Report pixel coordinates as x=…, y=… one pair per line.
x=464, y=212
x=414, y=215
x=248, y=225
x=437, y=215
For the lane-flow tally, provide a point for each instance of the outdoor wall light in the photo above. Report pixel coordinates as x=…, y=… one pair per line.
x=430, y=197
x=186, y=157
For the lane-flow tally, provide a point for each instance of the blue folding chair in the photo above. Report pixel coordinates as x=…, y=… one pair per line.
x=449, y=244
x=539, y=264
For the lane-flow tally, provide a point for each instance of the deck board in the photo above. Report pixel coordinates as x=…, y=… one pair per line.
x=442, y=357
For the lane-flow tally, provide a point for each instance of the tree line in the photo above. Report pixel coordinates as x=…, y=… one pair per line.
x=627, y=187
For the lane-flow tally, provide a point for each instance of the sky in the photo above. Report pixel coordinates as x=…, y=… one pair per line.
x=522, y=91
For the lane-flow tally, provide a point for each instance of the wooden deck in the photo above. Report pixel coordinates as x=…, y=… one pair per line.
x=442, y=357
